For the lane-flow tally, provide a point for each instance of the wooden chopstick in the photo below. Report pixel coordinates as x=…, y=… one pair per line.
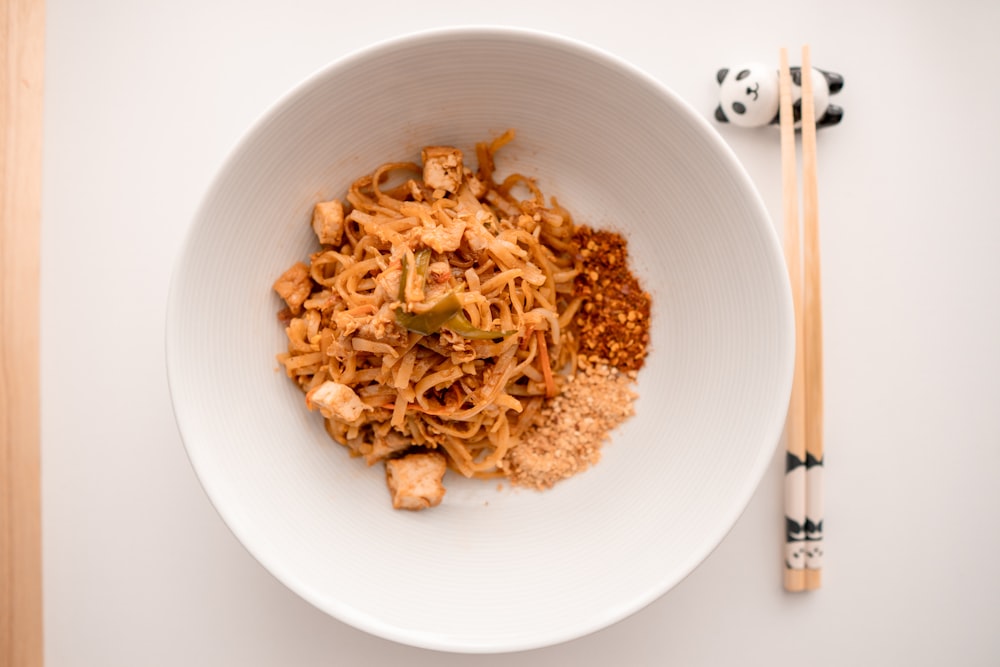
x=22, y=37
x=804, y=424
x=813, y=334
x=795, y=438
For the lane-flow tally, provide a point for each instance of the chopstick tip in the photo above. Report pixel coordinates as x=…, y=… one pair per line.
x=795, y=580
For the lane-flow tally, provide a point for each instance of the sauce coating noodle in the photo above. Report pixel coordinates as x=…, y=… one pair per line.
x=443, y=304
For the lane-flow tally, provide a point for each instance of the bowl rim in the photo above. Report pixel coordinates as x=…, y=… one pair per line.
x=601, y=619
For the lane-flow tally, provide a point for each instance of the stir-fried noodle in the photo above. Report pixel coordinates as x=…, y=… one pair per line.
x=437, y=313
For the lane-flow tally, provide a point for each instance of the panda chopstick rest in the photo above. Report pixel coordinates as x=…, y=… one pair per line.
x=748, y=96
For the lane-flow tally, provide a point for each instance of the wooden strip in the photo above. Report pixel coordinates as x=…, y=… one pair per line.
x=813, y=331
x=795, y=442
x=22, y=33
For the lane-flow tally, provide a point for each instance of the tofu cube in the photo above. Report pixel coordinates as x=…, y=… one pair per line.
x=442, y=167
x=328, y=221
x=415, y=480
x=294, y=286
x=476, y=186
x=335, y=400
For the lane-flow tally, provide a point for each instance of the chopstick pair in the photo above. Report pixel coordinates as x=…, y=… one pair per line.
x=804, y=424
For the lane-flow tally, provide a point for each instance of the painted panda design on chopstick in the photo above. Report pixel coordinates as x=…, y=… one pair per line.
x=795, y=518
x=748, y=95
x=813, y=525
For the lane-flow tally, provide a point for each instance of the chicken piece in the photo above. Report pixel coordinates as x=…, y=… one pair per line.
x=442, y=167
x=382, y=327
x=476, y=233
x=439, y=272
x=336, y=400
x=387, y=282
x=294, y=286
x=383, y=446
x=443, y=238
x=323, y=301
x=349, y=321
x=328, y=221
x=415, y=480
x=476, y=186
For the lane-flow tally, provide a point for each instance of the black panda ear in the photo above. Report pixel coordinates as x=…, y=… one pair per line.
x=796, y=73
x=834, y=81
x=832, y=116
x=720, y=115
x=721, y=74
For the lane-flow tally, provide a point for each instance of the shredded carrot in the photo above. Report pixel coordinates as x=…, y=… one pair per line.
x=528, y=332
x=543, y=359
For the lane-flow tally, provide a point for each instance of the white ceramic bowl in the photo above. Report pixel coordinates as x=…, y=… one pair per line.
x=489, y=570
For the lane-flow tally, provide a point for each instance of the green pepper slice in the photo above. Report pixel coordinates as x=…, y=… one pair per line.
x=447, y=312
x=461, y=325
x=432, y=320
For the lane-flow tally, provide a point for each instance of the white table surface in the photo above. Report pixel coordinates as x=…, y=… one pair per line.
x=143, y=101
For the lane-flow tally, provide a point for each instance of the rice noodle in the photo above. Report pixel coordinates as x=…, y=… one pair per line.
x=404, y=250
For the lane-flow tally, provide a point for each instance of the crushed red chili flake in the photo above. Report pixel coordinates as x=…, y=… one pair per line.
x=614, y=317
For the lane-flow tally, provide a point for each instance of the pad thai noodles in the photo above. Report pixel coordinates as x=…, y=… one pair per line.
x=431, y=327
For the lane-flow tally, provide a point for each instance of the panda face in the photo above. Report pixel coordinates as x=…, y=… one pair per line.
x=795, y=555
x=748, y=95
